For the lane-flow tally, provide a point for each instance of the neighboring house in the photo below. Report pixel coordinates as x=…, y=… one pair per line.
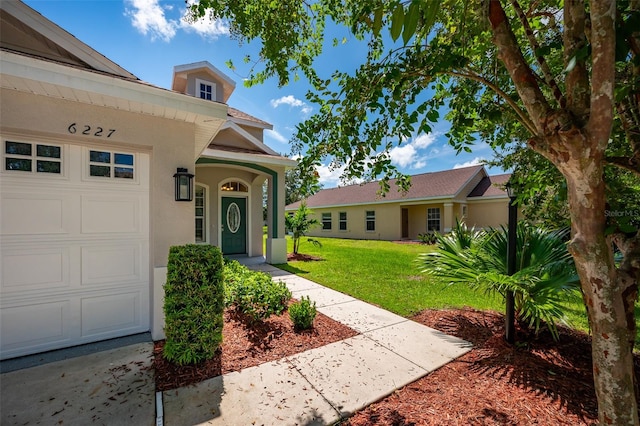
x=88, y=204
x=433, y=203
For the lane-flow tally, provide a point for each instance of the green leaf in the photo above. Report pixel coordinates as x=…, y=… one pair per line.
x=430, y=13
x=397, y=19
x=377, y=21
x=410, y=22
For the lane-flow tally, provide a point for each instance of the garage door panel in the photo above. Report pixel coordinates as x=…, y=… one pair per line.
x=108, y=315
x=110, y=214
x=29, y=327
x=114, y=264
x=74, y=255
x=19, y=273
x=35, y=214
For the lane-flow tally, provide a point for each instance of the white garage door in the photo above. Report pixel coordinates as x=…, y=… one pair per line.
x=74, y=245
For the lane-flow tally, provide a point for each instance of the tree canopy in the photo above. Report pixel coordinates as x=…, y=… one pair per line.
x=552, y=85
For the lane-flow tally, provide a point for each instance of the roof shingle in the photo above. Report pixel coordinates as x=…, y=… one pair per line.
x=441, y=184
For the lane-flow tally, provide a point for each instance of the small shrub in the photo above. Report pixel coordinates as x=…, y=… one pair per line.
x=254, y=293
x=302, y=313
x=193, y=303
x=428, y=238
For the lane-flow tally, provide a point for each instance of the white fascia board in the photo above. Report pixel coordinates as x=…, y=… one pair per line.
x=254, y=158
x=407, y=202
x=204, y=64
x=79, y=79
x=488, y=199
x=231, y=125
x=251, y=123
x=63, y=38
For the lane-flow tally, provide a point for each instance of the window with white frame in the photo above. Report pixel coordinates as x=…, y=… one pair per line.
x=201, y=217
x=343, y=221
x=326, y=221
x=32, y=157
x=370, y=220
x=464, y=211
x=433, y=219
x=111, y=164
x=205, y=90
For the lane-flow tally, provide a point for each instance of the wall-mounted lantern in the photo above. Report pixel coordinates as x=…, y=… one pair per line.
x=184, y=184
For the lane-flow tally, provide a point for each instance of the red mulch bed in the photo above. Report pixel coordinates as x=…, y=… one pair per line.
x=302, y=257
x=540, y=382
x=247, y=345
x=537, y=382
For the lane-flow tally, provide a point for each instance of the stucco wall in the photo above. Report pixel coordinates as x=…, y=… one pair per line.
x=170, y=144
x=387, y=224
x=202, y=75
x=214, y=176
x=482, y=214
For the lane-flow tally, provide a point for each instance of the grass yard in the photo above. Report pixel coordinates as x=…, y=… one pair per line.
x=387, y=274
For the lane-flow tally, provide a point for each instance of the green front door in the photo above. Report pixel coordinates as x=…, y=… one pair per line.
x=234, y=225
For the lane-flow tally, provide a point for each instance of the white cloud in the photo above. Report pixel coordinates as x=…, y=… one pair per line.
x=329, y=176
x=403, y=156
x=424, y=140
x=286, y=100
x=476, y=161
x=206, y=27
x=292, y=101
x=409, y=155
x=275, y=135
x=148, y=17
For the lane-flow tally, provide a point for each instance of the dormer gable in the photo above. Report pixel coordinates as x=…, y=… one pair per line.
x=202, y=80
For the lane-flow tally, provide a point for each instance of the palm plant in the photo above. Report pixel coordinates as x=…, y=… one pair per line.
x=545, y=274
x=300, y=223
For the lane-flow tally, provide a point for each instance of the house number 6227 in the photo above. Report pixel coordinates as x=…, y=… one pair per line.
x=85, y=129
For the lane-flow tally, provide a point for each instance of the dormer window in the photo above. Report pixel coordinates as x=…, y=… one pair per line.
x=205, y=90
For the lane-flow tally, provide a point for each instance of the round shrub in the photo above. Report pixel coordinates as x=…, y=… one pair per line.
x=302, y=313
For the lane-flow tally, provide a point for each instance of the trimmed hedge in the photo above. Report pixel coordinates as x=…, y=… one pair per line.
x=193, y=303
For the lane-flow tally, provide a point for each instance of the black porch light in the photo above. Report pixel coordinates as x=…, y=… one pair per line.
x=184, y=184
x=509, y=329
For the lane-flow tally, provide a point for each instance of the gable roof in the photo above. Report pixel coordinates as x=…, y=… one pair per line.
x=26, y=31
x=241, y=117
x=180, y=73
x=426, y=186
x=490, y=186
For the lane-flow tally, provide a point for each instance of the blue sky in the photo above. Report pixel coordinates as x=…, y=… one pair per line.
x=149, y=37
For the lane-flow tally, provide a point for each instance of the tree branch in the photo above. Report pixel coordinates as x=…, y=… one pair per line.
x=603, y=43
x=523, y=78
x=631, y=164
x=574, y=40
x=524, y=119
x=544, y=66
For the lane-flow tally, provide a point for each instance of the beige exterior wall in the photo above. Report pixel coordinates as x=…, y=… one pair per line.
x=389, y=218
x=214, y=176
x=170, y=144
x=485, y=213
x=202, y=75
x=387, y=223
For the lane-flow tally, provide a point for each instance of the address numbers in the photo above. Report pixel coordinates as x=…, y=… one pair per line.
x=85, y=129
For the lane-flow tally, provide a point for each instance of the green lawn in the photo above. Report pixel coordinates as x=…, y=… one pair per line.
x=387, y=274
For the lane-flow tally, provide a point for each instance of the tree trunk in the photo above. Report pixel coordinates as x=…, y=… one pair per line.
x=609, y=295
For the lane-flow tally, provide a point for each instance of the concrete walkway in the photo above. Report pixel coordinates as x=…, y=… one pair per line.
x=317, y=387
x=323, y=385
